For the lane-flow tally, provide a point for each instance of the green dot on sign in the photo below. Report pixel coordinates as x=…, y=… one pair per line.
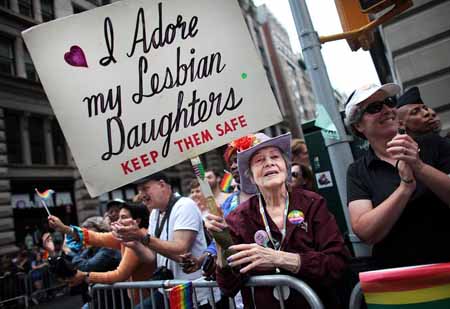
x=244, y=75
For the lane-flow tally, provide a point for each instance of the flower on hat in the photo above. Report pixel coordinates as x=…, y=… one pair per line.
x=245, y=142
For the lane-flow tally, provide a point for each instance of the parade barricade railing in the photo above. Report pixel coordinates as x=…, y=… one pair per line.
x=101, y=300
x=19, y=288
x=356, y=298
x=14, y=289
x=49, y=282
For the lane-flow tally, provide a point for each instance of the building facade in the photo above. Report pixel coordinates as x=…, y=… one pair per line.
x=285, y=70
x=413, y=50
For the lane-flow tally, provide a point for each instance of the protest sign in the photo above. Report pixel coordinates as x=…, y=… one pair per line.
x=139, y=86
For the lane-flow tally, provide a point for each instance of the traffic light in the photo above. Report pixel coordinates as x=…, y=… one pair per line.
x=358, y=26
x=352, y=18
x=374, y=6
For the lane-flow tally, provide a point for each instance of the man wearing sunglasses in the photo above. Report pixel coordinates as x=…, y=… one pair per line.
x=399, y=191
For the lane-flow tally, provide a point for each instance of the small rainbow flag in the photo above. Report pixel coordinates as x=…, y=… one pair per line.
x=416, y=287
x=46, y=194
x=180, y=297
x=225, y=184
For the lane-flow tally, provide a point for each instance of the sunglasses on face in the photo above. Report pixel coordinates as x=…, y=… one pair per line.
x=376, y=107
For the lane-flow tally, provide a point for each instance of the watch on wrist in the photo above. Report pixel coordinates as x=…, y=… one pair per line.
x=145, y=240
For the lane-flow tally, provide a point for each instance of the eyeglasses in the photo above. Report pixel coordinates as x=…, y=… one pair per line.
x=376, y=107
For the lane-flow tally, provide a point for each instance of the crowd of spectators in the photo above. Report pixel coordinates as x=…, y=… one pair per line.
x=274, y=215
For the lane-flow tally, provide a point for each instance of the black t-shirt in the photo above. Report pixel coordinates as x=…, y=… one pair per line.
x=422, y=233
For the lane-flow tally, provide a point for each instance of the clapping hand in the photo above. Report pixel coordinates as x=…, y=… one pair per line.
x=127, y=230
x=402, y=147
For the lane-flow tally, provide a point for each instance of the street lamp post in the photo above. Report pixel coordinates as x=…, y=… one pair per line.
x=338, y=149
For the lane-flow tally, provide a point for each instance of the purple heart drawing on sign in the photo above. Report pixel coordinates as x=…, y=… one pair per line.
x=75, y=57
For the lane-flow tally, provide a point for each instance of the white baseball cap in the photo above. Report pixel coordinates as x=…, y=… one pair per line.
x=365, y=92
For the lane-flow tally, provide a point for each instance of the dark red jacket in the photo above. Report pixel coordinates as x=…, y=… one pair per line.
x=321, y=247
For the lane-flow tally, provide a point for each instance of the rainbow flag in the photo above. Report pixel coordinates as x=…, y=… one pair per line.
x=46, y=194
x=416, y=287
x=225, y=184
x=180, y=297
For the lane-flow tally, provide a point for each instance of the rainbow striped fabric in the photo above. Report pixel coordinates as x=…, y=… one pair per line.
x=180, y=297
x=46, y=194
x=416, y=287
x=225, y=183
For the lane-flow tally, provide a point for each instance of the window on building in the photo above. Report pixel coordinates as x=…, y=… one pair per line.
x=47, y=10
x=13, y=136
x=37, y=144
x=6, y=56
x=59, y=144
x=99, y=2
x=78, y=9
x=95, y=2
x=26, y=7
x=29, y=67
x=4, y=3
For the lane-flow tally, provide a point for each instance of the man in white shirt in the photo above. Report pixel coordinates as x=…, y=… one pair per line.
x=175, y=228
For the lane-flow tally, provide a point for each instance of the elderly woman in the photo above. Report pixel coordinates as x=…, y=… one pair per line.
x=130, y=267
x=399, y=191
x=278, y=230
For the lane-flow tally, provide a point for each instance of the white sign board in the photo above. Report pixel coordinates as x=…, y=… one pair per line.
x=138, y=86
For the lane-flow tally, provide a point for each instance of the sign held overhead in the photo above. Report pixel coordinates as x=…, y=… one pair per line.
x=139, y=86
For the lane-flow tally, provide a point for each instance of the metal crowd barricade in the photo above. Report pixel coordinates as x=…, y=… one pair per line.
x=49, y=282
x=14, y=290
x=100, y=299
x=356, y=298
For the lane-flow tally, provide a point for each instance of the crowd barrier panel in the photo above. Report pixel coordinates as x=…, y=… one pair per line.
x=14, y=290
x=49, y=280
x=356, y=298
x=101, y=300
x=19, y=288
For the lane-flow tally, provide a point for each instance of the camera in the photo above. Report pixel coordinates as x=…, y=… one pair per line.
x=64, y=269
x=61, y=267
x=162, y=273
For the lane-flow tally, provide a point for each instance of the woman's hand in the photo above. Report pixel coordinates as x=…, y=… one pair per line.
x=408, y=180
x=215, y=223
x=133, y=244
x=190, y=263
x=402, y=147
x=255, y=256
x=127, y=230
x=77, y=279
x=56, y=223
